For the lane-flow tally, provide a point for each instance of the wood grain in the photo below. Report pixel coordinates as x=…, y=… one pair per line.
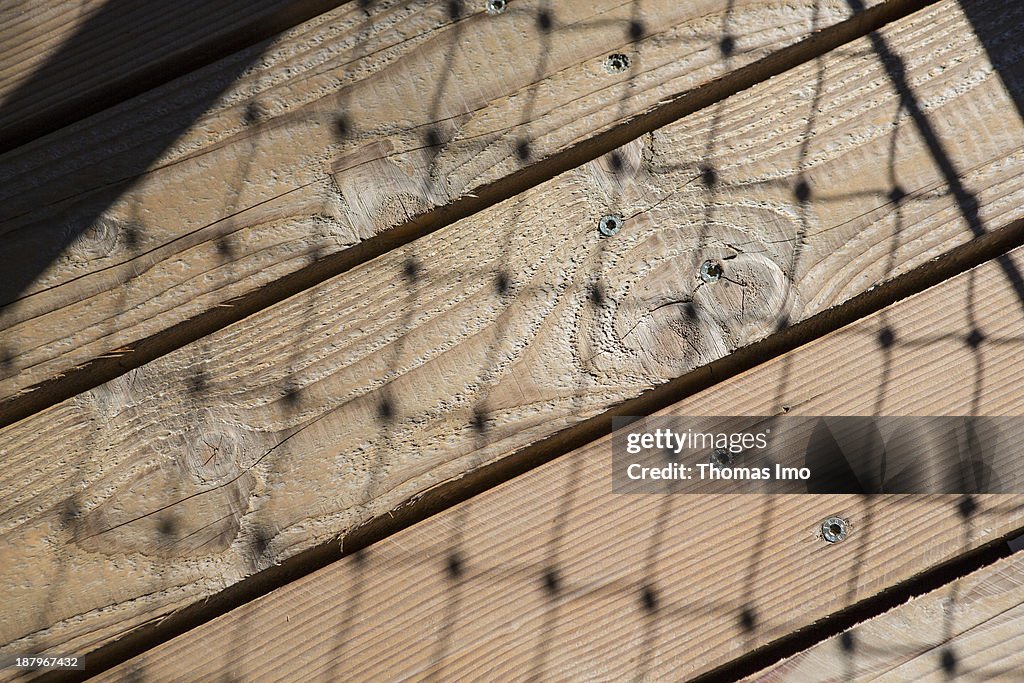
x=968, y=630
x=652, y=586
x=62, y=60
x=160, y=220
x=279, y=434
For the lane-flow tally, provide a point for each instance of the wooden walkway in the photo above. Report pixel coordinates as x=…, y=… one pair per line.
x=310, y=339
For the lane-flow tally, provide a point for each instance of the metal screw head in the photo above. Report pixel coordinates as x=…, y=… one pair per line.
x=609, y=225
x=721, y=457
x=496, y=6
x=616, y=63
x=834, y=529
x=711, y=271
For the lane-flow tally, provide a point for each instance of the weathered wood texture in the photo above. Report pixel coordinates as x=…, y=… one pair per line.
x=663, y=586
x=61, y=60
x=280, y=433
x=157, y=221
x=969, y=630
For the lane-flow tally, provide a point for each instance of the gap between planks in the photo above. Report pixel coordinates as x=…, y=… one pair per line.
x=219, y=462
x=968, y=630
x=551, y=575
x=134, y=245
x=64, y=60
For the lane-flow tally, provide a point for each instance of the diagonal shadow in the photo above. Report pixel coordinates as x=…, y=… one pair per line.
x=30, y=249
x=126, y=47
x=29, y=252
x=1003, y=49
x=896, y=70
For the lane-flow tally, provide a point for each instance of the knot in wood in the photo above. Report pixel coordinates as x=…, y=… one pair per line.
x=214, y=455
x=99, y=239
x=672, y=320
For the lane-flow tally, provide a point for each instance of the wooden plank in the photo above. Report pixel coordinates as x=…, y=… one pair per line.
x=189, y=207
x=62, y=60
x=649, y=587
x=968, y=630
x=282, y=433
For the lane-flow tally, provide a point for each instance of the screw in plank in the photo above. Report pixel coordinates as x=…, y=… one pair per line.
x=616, y=63
x=609, y=225
x=721, y=458
x=496, y=6
x=711, y=271
x=834, y=529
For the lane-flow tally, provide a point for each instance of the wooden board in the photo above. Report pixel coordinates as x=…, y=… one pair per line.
x=649, y=587
x=280, y=434
x=202, y=201
x=968, y=630
x=62, y=60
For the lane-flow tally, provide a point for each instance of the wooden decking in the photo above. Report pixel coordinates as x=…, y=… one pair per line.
x=310, y=342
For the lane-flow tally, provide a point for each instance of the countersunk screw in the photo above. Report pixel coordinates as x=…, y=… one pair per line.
x=834, y=529
x=721, y=457
x=711, y=271
x=616, y=63
x=496, y=6
x=609, y=225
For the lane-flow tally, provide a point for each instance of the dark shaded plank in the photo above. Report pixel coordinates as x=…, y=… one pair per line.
x=63, y=60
